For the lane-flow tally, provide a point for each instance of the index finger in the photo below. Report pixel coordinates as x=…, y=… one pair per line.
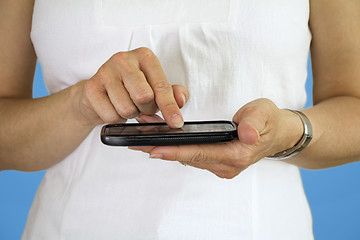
x=228, y=153
x=163, y=91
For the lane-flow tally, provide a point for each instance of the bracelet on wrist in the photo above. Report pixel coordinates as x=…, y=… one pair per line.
x=304, y=141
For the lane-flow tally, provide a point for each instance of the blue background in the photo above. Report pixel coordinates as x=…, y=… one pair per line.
x=333, y=194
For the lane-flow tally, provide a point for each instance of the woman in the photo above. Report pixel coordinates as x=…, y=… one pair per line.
x=109, y=61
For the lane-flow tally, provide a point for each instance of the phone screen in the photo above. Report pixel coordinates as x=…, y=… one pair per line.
x=133, y=129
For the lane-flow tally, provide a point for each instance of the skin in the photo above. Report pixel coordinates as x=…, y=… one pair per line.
x=133, y=83
x=264, y=129
x=46, y=130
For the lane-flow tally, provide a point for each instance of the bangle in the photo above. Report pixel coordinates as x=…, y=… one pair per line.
x=304, y=141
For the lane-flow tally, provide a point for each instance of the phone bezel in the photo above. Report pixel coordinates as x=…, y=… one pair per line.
x=162, y=139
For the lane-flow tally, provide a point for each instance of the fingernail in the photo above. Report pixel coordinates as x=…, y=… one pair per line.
x=184, y=100
x=177, y=120
x=139, y=120
x=156, y=156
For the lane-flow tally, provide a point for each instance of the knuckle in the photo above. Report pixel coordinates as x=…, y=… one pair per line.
x=121, y=58
x=225, y=174
x=176, y=155
x=163, y=87
x=229, y=176
x=102, y=75
x=144, y=97
x=250, y=110
x=263, y=108
x=198, y=157
x=128, y=111
x=220, y=174
x=126, y=67
x=267, y=102
x=145, y=53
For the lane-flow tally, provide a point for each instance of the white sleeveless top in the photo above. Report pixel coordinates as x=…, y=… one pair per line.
x=227, y=53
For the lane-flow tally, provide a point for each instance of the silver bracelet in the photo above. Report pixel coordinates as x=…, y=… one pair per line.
x=304, y=141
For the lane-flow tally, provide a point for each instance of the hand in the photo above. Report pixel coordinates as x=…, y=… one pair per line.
x=263, y=129
x=129, y=84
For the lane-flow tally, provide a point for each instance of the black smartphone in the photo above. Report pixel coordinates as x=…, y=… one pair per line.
x=160, y=134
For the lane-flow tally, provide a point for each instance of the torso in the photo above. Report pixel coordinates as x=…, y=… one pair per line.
x=227, y=53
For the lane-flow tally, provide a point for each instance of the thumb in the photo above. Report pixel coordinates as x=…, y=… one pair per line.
x=181, y=94
x=249, y=130
x=253, y=119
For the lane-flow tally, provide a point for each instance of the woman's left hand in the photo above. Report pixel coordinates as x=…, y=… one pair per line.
x=263, y=129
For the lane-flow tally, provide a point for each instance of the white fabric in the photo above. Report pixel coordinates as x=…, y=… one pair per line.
x=227, y=53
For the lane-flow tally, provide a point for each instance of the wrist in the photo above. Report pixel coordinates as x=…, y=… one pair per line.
x=291, y=129
x=77, y=108
x=297, y=137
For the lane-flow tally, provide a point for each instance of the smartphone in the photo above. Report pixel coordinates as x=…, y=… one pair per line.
x=160, y=134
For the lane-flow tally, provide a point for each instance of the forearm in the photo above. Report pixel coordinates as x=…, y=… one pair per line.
x=336, y=135
x=37, y=133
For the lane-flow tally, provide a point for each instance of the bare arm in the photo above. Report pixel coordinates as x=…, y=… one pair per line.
x=335, y=52
x=263, y=129
x=37, y=133
x=32, y=132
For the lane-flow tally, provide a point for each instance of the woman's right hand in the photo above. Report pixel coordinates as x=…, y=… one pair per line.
x=127, y=85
